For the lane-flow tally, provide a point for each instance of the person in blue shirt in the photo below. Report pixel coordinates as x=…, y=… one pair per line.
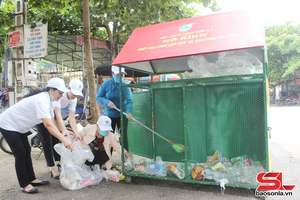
x=109, y=96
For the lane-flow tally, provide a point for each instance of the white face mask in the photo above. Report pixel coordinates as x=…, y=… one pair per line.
x=52, y=98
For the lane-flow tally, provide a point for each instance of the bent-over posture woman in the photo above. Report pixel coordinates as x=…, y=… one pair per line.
x=19, y=118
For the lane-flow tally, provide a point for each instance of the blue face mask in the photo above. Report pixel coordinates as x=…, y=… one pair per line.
x=103, y=133
x=117, y=78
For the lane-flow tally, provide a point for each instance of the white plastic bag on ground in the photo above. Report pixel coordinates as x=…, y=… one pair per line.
x=75, y=174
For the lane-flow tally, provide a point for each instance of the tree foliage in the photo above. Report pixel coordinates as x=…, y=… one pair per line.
x=112, y=20
x=7, y=8
x=283, y=44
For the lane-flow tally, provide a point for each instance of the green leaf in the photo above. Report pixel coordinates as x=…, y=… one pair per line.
x=33, y=25
x=283, y=43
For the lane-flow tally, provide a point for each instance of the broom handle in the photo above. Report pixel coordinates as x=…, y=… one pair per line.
x=144, y=126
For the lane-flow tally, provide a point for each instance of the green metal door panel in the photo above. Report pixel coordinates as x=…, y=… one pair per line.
x=235, y=120
x=168, y=122
x=195, y=123
x=140, y=141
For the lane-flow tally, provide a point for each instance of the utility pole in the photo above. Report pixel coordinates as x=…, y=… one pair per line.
x=20, y=20
x=24, y=69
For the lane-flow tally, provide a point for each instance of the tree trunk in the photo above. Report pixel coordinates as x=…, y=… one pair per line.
x=113, y=50
x=112, y=43
x=94, y=108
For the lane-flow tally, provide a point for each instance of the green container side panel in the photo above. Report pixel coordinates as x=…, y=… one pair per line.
x=227, y=115
x=235, y=120
x=140, y=141
x=168, y=111
x=195, y=123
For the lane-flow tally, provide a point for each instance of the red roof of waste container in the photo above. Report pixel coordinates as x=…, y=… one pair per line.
x=209, y=34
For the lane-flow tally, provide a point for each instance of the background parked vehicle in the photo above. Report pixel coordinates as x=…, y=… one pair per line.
x=284, y=102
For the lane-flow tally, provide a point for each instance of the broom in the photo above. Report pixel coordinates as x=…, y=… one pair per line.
x=179, y=148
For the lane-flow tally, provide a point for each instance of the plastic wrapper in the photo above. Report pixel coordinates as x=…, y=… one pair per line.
x=139, y=168
x=242, y=173
x=215, y=175
x=100, y=172
x=197, y=172
x=228, y=63
x=110, y=173
x=178, y=172
x=143, y=166
x=201, y=68
x=129, y=165
x=75, y=174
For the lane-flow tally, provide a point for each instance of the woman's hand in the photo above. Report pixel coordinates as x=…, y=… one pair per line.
x=111, y=105
x=77, y=137
x=67, y=133
x=68, y=144
x=128, y=155
x=129, y=116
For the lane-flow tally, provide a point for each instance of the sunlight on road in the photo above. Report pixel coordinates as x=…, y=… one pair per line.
x=285, y=124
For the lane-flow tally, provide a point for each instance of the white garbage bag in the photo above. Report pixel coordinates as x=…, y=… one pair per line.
x=75, y=174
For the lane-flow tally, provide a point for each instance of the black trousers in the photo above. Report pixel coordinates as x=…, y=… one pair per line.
x=123, y=131
x=48, y=141
x=21, y=149
x=100, y=158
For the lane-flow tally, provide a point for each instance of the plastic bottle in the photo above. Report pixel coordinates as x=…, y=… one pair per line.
x=153, y=169
x=161, y=166
x=220, y=156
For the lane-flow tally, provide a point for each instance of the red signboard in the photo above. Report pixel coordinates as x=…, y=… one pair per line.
x=14, y=39
x=200, y=35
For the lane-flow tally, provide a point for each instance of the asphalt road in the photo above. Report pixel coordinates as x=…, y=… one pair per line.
x=286, y=159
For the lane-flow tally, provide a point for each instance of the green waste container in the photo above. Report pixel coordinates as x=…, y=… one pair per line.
x=206, y=115
x=221, y=120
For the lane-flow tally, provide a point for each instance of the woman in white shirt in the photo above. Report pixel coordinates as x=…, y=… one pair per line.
x=69, y=99
x=16, y=121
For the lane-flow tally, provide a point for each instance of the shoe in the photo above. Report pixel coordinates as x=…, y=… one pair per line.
x=40, y=183
x=52, y=175
x=58, y=166
x=33, y=190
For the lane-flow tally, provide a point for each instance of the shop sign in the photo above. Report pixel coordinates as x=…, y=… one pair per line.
x=14, y=39
x=36, y=41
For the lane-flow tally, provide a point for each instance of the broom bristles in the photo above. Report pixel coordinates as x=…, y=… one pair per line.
x=178, y=148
